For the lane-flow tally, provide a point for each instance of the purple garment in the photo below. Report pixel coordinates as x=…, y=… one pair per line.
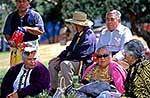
x=117, y=72
x=39, y=81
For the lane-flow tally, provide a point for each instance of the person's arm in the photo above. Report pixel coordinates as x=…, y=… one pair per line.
x=39, y=25
x=13, y=95
x=118, y=75
x=69, y=48
x=7, y=27
x=33, y=30
x=7, y=82
x=84, y=48
x=39, y=81
x=142, y=80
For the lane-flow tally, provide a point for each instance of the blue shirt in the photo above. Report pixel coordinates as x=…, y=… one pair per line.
x=31, y=19
x=83, y=49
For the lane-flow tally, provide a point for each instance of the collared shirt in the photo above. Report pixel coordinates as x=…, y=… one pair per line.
x=115, y=39
x=22, y=79
x=32, y=19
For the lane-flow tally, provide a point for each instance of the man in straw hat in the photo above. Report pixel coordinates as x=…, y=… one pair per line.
x=31, y=25
x=77, y=53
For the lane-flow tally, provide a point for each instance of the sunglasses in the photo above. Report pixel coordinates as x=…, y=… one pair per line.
x=104, y=55
x=28, y=53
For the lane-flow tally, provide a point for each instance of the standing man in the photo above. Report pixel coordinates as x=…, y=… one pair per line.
x=115, y=34
x=79, y=51
x=29, y=21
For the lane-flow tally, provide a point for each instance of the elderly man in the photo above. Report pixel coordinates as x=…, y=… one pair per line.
x=79, y=51
x=115, y=34
x=31, y=24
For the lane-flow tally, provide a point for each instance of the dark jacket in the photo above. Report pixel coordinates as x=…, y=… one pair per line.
x=39, y=81
x=81, y=50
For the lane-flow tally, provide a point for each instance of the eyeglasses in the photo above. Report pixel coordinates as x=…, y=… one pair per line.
x=28, y=53
x=104, y=55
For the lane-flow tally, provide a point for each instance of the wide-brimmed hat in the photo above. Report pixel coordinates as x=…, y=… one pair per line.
x=80, y=18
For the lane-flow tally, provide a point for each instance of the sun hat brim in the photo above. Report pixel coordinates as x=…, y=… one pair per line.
x=82, y=23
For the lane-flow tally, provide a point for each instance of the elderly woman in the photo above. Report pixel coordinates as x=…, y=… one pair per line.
x=27, y=78
x=137, y=84
x=105, y=70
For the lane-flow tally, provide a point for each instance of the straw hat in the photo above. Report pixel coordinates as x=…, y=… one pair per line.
x=80, y=18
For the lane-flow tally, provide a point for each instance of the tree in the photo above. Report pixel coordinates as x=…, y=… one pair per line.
x=138, y=11
x=6, y=6
x=134, y=11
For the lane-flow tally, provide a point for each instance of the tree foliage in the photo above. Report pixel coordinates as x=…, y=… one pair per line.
x=134, y=11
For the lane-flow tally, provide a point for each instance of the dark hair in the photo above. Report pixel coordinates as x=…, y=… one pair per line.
x=103, y=47
x=136, y=48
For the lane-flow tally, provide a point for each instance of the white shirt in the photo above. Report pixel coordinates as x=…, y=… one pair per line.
x=22, y=79
x=115, y=39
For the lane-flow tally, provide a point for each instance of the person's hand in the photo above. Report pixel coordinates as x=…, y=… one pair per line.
x=13, y=95
x=12, y=43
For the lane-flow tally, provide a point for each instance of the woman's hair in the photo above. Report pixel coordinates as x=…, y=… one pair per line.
x=30, y=48
x=103, y=47
x=136, y=48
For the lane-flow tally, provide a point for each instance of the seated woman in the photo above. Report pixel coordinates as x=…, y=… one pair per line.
x=105, y=70
x=137, y=83
x=29, y=77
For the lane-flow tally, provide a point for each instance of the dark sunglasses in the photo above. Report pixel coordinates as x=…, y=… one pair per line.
x=28, y=53
x=104, y=55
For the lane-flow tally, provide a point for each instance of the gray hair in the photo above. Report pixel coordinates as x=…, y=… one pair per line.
x=116, y=12
x=103, y=47
x=135, y=48
x=28, y=50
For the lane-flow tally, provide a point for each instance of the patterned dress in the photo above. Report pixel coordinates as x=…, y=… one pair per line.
x=99, y=74
x=137, y=83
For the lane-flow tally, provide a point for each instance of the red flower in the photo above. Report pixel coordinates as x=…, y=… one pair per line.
x=94, y=57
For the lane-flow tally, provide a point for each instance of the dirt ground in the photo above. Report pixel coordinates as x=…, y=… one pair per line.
x=49, y=51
